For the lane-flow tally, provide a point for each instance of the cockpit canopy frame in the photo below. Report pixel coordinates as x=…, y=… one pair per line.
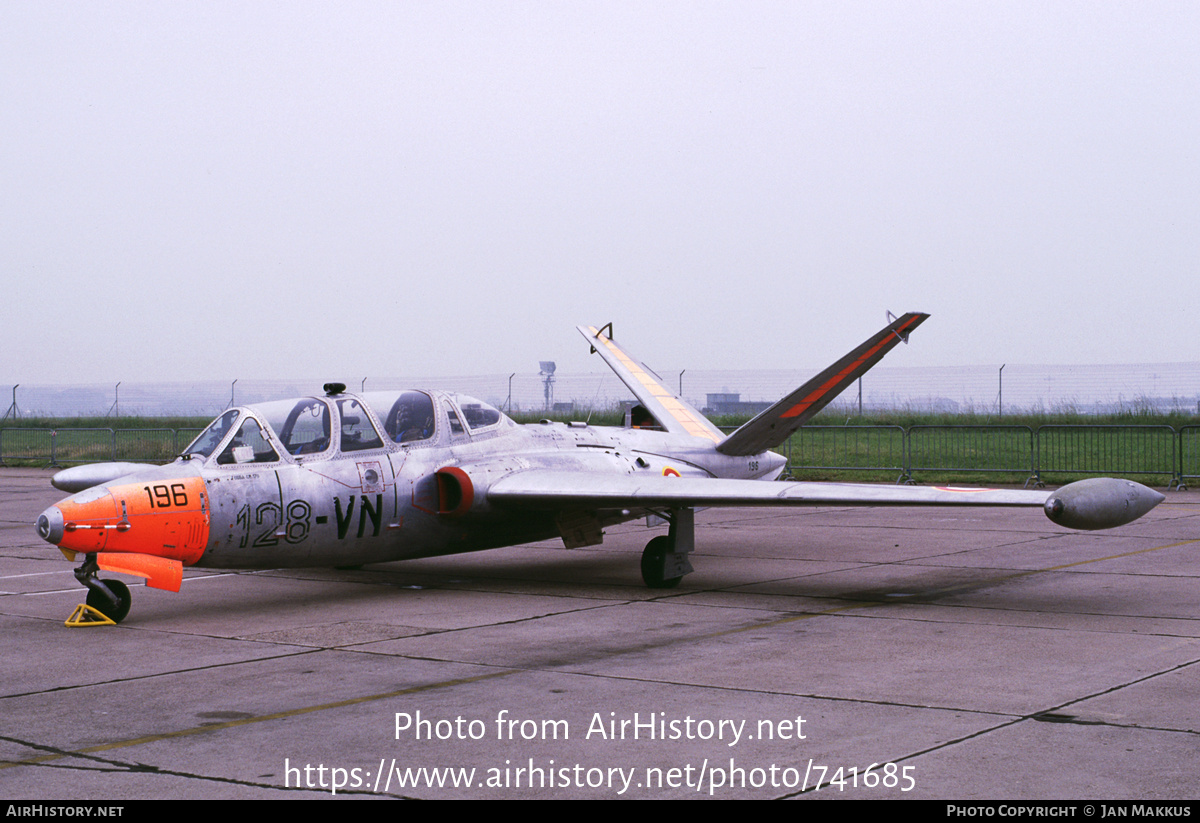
x=309, y=427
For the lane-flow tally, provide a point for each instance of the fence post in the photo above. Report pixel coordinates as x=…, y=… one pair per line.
x=906, y=458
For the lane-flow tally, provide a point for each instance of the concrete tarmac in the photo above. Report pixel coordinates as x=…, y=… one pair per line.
x=965, y=653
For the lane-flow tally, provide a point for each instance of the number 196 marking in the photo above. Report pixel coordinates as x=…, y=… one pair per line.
x=162, y=496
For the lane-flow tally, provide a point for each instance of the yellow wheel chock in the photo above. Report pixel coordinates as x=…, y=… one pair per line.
x=85, y=615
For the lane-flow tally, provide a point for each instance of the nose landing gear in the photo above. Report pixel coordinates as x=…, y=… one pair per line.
x=108, y=598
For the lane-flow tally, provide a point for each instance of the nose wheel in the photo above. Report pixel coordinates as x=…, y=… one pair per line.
x=113, y=603
x=109, y=597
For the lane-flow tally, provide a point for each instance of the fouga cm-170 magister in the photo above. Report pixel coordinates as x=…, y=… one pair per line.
x=345, y=480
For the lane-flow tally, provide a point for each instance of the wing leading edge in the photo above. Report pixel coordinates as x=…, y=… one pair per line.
x=1099, y=503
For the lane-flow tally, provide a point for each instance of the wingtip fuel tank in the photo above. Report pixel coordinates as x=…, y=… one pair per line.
x=79, y=478
x=1100, y=503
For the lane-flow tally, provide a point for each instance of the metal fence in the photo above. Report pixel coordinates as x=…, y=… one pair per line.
x=972, y=449
x=56, y=447
x=878, y=448
x=1189, y=453
x=890, y=385
x=1048, y=452
x=1104, y=449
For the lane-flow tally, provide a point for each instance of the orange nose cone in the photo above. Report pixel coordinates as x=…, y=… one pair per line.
x=159, y=518
x=83, y=521
x=50, y=525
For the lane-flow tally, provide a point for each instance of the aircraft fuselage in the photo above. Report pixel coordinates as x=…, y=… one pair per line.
x=392, y=502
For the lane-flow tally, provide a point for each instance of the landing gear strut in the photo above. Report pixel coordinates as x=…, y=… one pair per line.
x=109, y=597
x=665, y=558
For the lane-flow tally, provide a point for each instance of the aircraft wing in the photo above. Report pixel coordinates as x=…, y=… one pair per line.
x=1098, y=503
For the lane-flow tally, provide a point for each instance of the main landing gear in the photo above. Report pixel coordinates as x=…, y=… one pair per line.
x=110, y=599
x=665, y=558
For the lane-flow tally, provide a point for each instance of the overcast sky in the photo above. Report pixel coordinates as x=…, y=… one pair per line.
x=251, y=189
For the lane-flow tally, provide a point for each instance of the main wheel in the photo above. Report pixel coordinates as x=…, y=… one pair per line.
x=100, y=603
x=652, y=564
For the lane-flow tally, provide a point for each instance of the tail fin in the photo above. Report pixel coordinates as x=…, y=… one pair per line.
x=673, y=412
x=776, y=424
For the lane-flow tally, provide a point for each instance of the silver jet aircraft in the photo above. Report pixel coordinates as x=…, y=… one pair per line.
x=345, y=480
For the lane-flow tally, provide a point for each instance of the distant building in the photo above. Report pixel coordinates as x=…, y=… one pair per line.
x=732, y=403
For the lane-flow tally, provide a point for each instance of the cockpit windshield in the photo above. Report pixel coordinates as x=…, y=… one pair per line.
x=210, y=438
x=249, y=445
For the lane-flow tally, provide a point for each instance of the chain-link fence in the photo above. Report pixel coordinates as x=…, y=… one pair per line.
x=1049, y=453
